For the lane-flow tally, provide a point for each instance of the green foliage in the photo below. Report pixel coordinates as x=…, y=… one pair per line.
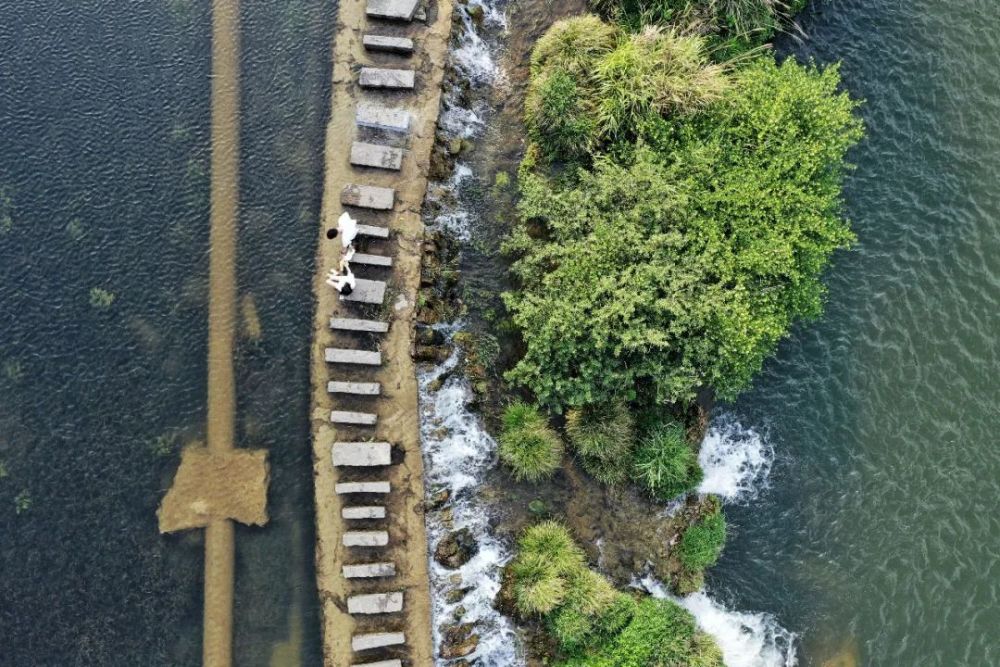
x=592, y=84
x=703, y=541
x=603, y=434
x=547, y=554
x=688, y=261
x=101, y=298
x=3, y=469
x=595, y=625
x=22, y=502
x=734, y=26
x=665, y=464
x=654, y=73
x=528, y=445
x=659, y=632
x=558, y=118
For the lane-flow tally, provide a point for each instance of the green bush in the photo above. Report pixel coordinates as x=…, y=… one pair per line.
x=528, y=445
x=665, y=464
x=558, y=119
x=595, y=625
x=603, y=435
x=659, y=632
x=703, y=541
x=546, y=555
x=689, y=260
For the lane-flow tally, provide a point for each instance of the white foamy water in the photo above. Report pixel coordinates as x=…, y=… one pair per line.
x=736, y=460
x=457, y=453
x=456, y=447
x=747, y=639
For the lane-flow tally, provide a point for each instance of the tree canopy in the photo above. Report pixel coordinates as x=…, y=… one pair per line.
x=680, y=262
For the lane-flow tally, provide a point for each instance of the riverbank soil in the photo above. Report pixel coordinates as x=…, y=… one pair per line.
x=397, y=406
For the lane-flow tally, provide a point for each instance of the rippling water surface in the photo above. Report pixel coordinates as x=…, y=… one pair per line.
x=104, y=149
x=878, y=539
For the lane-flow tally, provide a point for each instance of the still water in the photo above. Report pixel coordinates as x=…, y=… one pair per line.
x=878, y=539
x=104, y=152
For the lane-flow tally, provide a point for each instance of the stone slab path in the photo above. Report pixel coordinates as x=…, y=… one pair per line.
x=371, y=544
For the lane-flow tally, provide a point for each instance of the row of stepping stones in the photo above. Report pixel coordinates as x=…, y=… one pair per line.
x=385, y=131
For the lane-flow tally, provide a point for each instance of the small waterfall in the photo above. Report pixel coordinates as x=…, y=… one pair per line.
x=747, y=639
x=457, y=453
x=736, y=460
x=457, y=449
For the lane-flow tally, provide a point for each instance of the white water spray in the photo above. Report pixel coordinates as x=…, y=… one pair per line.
x=736, y=461
x=747, y=639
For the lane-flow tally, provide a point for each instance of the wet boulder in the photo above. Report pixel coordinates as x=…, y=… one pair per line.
x=458, y=641
x=456, y=548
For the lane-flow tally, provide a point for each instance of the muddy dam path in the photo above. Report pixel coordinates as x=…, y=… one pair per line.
x=371, y=543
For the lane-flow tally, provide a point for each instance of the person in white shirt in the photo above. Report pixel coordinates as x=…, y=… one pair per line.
x=343, y=282
x=347, y=229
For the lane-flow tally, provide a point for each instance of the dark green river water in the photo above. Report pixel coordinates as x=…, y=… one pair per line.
x=104, y=150
x=878, y=539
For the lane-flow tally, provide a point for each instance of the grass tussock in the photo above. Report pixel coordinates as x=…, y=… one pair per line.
x=528, y=445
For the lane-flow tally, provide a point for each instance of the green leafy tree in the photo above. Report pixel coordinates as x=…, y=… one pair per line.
x=687, y=262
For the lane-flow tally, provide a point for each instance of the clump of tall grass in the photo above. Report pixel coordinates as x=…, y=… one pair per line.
x=665, y=464
x=655, y=72
x=592, y=83
x=702, y=542
x=528, y=445
x=603, y=435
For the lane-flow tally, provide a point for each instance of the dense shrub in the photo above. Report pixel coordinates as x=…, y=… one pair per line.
x=665, y=464
x=603, y=435
x=528, y=445
x=594, y=624
x=689, y=260
x=703, y=541
x=660, y=632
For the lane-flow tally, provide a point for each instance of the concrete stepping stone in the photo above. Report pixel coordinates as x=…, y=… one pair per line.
x=362, y=453
x=375, y=603
x=363, y=512
x=378, y=117
x=399, y=10
x=369, y=570
x=377, y=640
x=351, y=324
x=376, y=155
x=371, y=260
x=336, y=355
x=362, y=487
x=384, y=78
x=374, y=231
x=381, y=663
x=366, y=538
x=355, y=418
x=368, y=196
x=367, y=291
x=354, y=388
x=387, y=44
